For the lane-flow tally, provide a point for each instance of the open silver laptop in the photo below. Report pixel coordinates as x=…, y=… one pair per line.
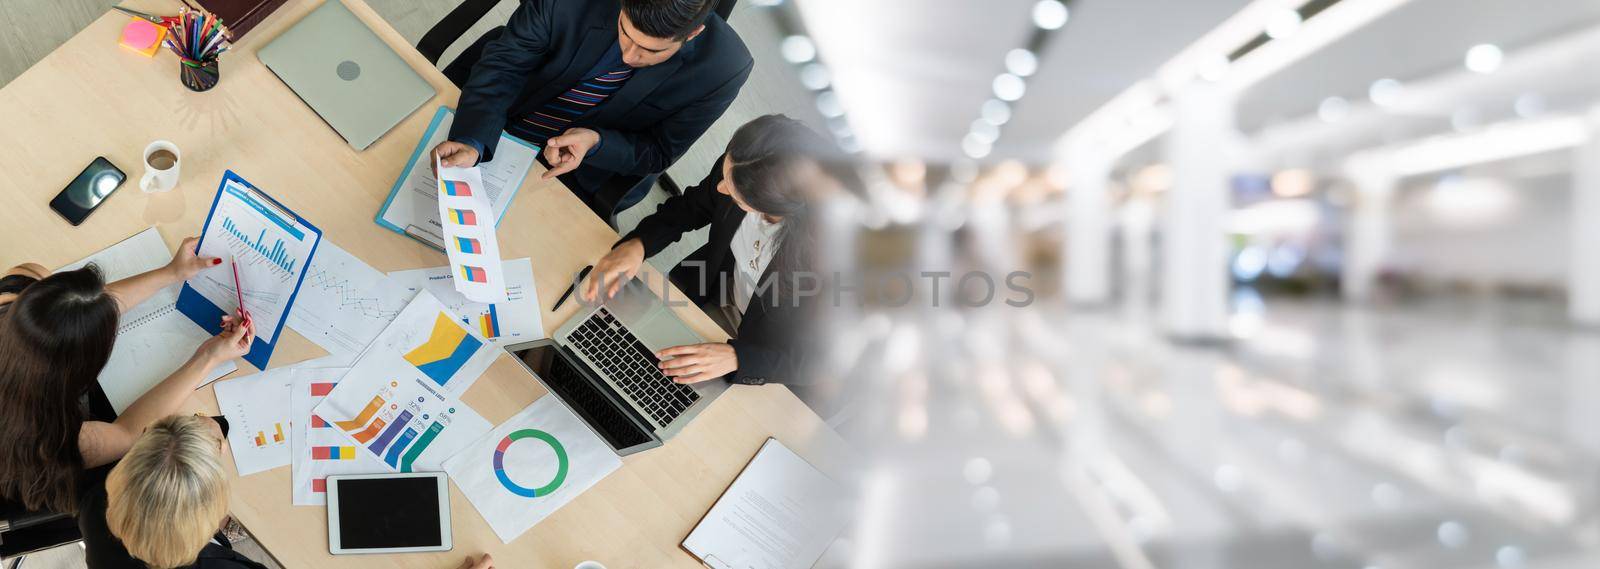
x=602, y=364
x=345, y=73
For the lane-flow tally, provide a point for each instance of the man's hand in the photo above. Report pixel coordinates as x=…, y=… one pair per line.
x=614, y=270
x=566, y=152
x=186, y=263
x=695, y=363
x=484, y=562
x=454, y=154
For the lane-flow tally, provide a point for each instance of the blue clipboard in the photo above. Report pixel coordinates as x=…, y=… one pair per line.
x=416, y=157
x=208, y=315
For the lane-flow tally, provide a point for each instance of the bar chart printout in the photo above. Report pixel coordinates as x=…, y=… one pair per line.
x=266, y=244
x=319, y=450
x=391, y=412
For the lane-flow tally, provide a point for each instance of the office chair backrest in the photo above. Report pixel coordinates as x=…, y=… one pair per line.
x=458, y=21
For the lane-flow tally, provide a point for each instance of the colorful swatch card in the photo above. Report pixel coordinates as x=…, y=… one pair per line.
x=469, y=236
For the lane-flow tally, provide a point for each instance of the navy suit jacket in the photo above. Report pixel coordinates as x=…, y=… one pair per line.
x=644, y=127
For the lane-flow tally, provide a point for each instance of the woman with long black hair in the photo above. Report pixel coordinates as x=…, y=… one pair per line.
x=56, y=334
x=758, y=203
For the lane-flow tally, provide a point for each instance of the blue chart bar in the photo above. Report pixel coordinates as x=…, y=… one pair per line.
x=277, y=253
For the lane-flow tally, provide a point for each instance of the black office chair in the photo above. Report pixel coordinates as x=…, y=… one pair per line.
x=458, y=21
x=23, y=532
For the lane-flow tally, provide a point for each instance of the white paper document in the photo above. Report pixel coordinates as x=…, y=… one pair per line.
x=780, y=513
x=469, y=235
x=257, y=409
x=515, y=320
x=317, y=451
x=344, y=303
x=153, y=338
x=394, y=413
x=530, y=466
x=432, y=340
x=267, y=247
x=413, y=206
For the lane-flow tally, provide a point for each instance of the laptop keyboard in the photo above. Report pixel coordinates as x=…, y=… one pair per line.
x=585, y=398
x=620, y=356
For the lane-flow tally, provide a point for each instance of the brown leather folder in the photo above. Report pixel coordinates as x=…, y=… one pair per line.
x=240, y=15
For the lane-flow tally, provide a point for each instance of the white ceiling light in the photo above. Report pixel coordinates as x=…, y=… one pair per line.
x=1009, y=87
x=798, y=49
x=1333, y=109
x=976, y=148
x=828, y=104
x=1213, y=69
x=1050, y=14
x=985, y=130
x=996, y=111
x=816, y=76
x=1484, y=58
x=1021, y=62
x=1385, y=92
x=1283, y=23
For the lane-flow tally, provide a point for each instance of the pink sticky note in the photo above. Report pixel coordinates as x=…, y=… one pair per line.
x=142, y=36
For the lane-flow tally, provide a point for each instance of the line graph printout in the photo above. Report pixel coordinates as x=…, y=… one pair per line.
x=153, y=338
x=435, y=343
x=317, y=449
x=344, y=304
x=515, y=320
x=268, y=247
x=390, y=411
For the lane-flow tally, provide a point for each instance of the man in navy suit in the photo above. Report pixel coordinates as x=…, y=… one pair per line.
x=613, y=90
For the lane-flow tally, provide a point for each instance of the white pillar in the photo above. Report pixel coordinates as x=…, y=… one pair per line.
x=1201, y=148
x=1583, y=285
x=1088, y=226
x=1368, y=231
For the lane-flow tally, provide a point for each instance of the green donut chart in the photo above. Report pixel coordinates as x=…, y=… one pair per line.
x=513, y=487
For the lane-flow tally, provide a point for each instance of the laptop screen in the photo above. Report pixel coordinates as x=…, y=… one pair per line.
x=604, y=414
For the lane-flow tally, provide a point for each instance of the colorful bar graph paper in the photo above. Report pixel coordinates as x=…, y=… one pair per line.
x=261, y=439
x=474, y=274
x=277, y=436
x=458, y=189
x=333, y=453
x=490, y=322
x=464, y=216
x=318, y=423
x=469, y=245
x=322, y=389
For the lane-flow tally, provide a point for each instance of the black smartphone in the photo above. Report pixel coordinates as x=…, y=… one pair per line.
x=88, y=191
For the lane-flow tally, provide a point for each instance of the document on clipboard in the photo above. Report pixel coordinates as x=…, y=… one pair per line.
x=780, y=513
x=271, y=248
x=412, y=207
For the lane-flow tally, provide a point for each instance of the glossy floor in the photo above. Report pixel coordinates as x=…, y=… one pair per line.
x=1443, y=434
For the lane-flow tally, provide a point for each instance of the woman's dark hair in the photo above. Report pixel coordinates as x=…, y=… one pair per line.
x=767, y=157
x=671, y=19
x=54, y=340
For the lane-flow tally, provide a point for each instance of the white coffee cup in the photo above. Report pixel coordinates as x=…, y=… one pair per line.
x=160, y=176
x=589, y=565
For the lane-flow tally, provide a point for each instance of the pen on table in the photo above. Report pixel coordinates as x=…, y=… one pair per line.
x=572, y=287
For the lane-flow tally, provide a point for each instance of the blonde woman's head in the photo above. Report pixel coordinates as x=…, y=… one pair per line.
x=169, y=494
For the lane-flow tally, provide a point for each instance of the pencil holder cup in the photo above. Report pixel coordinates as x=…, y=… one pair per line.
x=199, y=76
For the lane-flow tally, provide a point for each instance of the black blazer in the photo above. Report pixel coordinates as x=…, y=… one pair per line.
x=547, y=47
x=773, y=339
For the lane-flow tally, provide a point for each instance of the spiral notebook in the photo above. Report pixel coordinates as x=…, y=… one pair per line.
x=153, y=338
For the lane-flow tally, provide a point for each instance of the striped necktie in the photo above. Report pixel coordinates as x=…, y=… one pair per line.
x=557, y=115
